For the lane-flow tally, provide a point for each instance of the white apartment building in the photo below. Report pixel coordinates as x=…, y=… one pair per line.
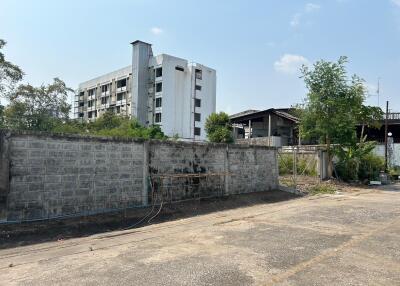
x=163, y=90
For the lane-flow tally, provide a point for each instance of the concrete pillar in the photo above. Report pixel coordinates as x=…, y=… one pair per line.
x=249, y=128
x=226, y=170
x=141, y=53
x=269, y=130
x=146, y=177
x=4, y=174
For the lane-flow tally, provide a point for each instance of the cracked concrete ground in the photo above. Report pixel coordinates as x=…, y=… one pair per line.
x=345, y=239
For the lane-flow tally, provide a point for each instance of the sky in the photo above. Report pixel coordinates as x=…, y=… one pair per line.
x=256, y=46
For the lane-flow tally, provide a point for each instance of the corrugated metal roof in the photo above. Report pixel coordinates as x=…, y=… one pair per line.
x=248, y=114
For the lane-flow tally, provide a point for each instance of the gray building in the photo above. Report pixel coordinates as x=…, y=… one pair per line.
x=275, y=127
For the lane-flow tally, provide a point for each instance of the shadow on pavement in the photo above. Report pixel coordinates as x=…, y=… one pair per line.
x=52, y=230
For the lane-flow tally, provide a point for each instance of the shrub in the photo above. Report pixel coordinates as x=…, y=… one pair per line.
x=370, y=167
x=365, y=168
x=111, y=125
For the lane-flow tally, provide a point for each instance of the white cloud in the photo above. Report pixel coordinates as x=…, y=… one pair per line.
x=308, y=9
x=271, y=44
x=156, y=31
x=311, y=7
x=396, y=2
x=295, y=20
x=290, y=64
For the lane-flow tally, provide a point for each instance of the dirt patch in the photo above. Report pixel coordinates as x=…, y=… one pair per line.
x=304, y=183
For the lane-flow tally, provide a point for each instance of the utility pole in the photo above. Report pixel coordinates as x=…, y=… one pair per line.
x=386, y=136
x=379, y=89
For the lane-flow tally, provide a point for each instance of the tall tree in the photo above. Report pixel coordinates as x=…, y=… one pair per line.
x=10, y=74
x=333, y=105
x=219, y=128
x=38, y=108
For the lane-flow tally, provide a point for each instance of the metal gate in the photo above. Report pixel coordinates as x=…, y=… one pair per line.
x=301, y=166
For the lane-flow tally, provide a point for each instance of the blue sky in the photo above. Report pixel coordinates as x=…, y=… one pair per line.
x=255, y=46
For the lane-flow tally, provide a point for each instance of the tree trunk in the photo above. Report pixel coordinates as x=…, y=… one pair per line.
x=362, y=133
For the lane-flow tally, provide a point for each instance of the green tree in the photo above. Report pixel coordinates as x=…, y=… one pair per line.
x=369, y=116
x=38, y=108
x=2, y=125
x=333, y=106
x=10, y=74
x=219, y=128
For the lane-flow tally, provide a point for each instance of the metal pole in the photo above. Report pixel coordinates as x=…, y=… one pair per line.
x=386, y=136
x=294, y=167
x=249, y=128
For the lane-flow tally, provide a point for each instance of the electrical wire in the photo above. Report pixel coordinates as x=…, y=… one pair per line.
x=149, y=213
x=159, y=210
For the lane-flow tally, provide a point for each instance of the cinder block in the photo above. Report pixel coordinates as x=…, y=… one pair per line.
x=52, y=178
x=37, y=144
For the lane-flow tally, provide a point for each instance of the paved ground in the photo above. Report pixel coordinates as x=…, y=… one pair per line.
x=347, y=239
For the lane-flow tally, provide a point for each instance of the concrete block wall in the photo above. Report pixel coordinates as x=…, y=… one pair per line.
x=49, y=176
x=252, y=168
x=53, y=176
x=181, y=159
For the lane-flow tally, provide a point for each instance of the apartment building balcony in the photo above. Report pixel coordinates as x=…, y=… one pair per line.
x=120, y=102
x=79, y=98
x=105, y=93
x=121, y=89
x=91, y=108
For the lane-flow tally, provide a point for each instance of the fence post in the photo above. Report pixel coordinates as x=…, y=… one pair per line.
x=4, y=173
x=294, y=167
x=226, y=169
x=145, y=189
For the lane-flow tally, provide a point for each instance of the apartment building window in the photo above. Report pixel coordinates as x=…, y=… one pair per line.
x=198, y=74
x=159, y=87
x=158, y=117
x=198, y=87
x=104, y=88
x=197, y=117
x=178, y=68
x=90, y=103
x=118, y=109
x=80, y=114
x=121, y=83
x=121, y=96
x=158, y=102
x=103, y=100
x=197, y=102
x=90, y=114
x=197, y=131
x=158, y=72
x=91, y=92
x=81, y=103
